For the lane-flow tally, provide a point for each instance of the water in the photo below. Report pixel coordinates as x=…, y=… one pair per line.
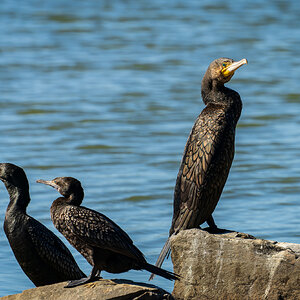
x=108, y=92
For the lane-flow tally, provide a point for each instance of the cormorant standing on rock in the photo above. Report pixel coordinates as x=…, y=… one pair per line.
x=208, y=152
x=41, y=254
x=102, y=242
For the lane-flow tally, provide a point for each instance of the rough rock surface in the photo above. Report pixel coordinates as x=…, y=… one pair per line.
x=234, y=266
x=100, y=290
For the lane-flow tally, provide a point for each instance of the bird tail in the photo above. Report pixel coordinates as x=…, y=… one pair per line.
x=165, y=251
x=161, y=272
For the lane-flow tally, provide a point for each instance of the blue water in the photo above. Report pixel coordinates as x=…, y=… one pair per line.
x=108, y=92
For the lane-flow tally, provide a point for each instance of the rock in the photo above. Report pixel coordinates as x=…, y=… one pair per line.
x=234, y=266
x=101, y=290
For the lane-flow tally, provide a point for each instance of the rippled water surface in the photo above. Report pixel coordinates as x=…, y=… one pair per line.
x=108, y=93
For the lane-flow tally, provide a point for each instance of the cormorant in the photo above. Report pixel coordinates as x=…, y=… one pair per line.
x=41, y=254
x=102, y=242
x=208, y=152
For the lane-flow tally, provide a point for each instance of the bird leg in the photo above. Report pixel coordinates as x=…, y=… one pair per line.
x=95, y=275
x=213, y=227
x=211, y=223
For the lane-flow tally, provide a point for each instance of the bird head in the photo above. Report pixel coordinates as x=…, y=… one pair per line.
x=68, y=187
x=222, y=69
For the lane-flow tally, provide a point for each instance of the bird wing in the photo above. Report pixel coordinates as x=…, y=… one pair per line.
x=203, y=143
x=97, y=230
x=52, y=250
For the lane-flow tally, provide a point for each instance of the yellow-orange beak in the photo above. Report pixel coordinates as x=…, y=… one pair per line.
x=229, y=70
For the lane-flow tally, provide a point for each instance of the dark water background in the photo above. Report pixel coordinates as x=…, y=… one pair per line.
x=107, y=92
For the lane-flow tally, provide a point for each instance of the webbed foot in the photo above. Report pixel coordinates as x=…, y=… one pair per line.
x=94, y=276
x=213, y=227
x=81, y=281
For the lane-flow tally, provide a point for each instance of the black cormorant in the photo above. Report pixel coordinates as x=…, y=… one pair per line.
x=41, y=254
x=102, y=242
x=208, y=152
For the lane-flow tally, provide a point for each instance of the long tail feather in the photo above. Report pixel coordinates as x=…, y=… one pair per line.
x=161, y=272
x=165, y=251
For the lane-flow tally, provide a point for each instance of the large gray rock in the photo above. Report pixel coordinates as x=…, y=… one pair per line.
x=234, y=266
x=100, y=290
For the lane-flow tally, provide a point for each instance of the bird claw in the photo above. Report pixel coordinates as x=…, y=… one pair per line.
x=81, y=281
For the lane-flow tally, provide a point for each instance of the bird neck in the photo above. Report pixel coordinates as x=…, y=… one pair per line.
x=73, y=199
x=76, y=198
x=19, y=198
x=214, y=92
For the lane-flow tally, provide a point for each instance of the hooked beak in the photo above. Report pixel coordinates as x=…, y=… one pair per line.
x=48, y=182
x=229, y=70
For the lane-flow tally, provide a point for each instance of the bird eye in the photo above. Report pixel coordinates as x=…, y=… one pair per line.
x=224, y=65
